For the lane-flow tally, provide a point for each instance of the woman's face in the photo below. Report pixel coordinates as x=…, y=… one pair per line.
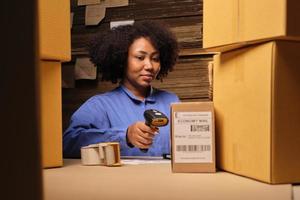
x=143, y=64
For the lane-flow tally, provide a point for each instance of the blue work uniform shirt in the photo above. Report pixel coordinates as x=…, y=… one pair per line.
x=106, y=117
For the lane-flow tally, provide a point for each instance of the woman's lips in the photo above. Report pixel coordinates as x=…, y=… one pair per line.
x=147, y=77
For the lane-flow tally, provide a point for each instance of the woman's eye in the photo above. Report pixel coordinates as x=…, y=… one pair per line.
x=140, y=57
x=156, y=59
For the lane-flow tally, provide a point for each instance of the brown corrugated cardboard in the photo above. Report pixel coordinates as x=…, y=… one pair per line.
x=54, y=30
x=240, y=22
x=256, y=97
x=50, y=113
x=192, y=135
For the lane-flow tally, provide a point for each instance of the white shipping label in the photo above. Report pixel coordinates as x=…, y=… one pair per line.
x=193, y=137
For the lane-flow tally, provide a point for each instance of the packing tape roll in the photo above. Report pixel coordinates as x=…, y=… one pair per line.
x=110, y=155
x=90, y=155
x=100, y=154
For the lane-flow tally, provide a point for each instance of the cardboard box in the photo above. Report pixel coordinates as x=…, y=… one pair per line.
x=54, y=47
x=241, y=22
x=192, y=137
x=54, y=30
x=49, y=80
x=256, y=98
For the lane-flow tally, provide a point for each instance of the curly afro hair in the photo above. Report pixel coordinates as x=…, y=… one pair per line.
x=109, y=50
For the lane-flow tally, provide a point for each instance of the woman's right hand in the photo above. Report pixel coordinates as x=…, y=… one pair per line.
x=140, y=135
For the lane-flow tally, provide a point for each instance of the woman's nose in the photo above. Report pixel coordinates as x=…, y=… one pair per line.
x=148, y=64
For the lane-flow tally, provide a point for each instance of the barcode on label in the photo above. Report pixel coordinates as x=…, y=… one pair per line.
x=193, y=148
x=199, y=128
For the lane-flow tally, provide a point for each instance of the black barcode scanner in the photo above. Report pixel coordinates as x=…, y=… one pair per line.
x=153, y=119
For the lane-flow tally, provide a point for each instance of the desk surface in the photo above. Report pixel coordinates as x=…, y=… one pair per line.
x=152, y=181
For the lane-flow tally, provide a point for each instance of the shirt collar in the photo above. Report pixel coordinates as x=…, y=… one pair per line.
x=149, y=98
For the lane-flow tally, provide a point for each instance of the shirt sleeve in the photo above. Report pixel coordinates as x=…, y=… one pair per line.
x=90, y=125
x=176, y=99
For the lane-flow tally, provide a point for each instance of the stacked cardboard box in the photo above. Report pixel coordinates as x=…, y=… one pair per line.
x=256, y=86
x=230, y=24
x=54, y=47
